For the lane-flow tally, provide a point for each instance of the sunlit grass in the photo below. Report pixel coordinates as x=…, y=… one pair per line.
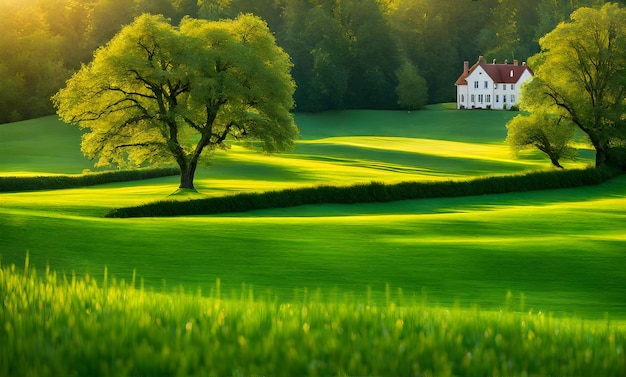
x=468, y=250
x=403, y=288
x=60, y=324
x=443, y=148
x=557, y=247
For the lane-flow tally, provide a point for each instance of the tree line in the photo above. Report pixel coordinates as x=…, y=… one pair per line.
x=375, y=54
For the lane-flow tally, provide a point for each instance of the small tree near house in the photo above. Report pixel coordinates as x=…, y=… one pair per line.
x=412, y=89
x=550, y=134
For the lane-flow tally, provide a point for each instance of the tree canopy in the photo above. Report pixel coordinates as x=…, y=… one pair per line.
x=580, y=77
x=345, y=52
x=157, y=92
x=412, y=89
x=550, y=134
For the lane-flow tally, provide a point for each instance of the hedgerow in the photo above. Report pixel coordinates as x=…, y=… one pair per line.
x=57, y=182
x=369, y=193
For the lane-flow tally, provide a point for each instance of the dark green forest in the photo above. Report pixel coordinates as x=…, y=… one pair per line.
x=347, y=54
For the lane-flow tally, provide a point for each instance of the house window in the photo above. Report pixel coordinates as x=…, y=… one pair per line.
x=497, y=98
x=486, y=84
x=504, y=98
x=462, y=98
x=513, y=99
x=480, y=98
x=475, y=84
x=488, y=98
x=495, y=85
x=472, y=98
x=504, y=87
x=512, y=86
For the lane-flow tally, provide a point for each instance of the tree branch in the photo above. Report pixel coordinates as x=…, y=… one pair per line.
x=146, y=144
x=222, y=136
x=127, y=93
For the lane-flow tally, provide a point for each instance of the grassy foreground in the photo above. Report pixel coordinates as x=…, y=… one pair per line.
x=59, y=325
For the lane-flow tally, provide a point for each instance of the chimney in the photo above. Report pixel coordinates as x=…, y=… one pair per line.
x=523, y=63
x=465, y=67
x=515, y=62
x=481, y=59
x=506, y=61
x=494, y=61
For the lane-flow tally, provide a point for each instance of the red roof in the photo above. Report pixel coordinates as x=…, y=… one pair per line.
x=499, y=73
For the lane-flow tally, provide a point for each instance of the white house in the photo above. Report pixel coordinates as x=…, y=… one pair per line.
x=490, y=86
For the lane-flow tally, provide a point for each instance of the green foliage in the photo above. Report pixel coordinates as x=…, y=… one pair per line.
x=412, y=89
x=58, y=182
x=106, y=19
x=551, y=13
x=580, y=76
x=374, y=192
x=57, y=325
x=550, y=134
x=344, y=54
x=31, y=65
x=159, y=93
x=345, y=51
x=500, y=37
x=324, y=71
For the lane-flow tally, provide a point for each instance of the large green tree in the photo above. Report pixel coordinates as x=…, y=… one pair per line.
x=157, y=92
x=580, y=76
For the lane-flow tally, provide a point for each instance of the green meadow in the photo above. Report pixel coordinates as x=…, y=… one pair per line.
x=64, y=325
x=561, y=249
x=558, y=252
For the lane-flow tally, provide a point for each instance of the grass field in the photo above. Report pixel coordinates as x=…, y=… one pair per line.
x=64, y=325
x=563, y=250
x=510, y=284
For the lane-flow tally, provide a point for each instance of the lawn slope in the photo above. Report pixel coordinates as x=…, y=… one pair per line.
x=562, y=249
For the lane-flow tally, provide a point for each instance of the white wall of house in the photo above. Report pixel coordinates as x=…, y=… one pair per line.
x=482, y=92
x=480, y=89
x=462, y=97
x=509, y=94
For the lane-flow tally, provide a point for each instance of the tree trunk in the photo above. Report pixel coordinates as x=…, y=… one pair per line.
x=186, y=176
x=601, y=147
x=556, y=163
x=188, y=169
x=601, y=156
